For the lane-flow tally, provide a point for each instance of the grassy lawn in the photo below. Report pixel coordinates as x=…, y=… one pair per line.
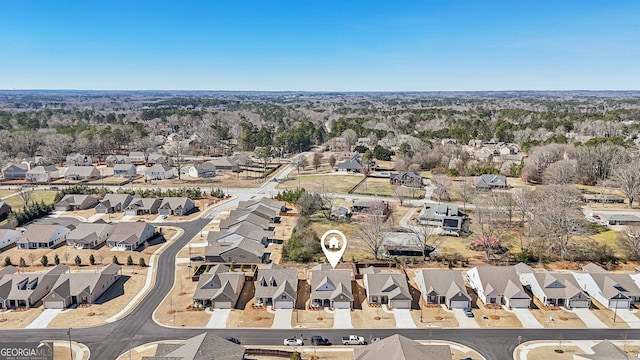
x=340, y=184
x=382, y=187
x=36, y=196
x=4, y=193
x=609, y=237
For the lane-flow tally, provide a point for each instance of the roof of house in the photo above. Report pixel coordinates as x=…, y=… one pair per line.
x=144, y=203
x=491, y=180
x=222, y=247
x=593, y=268
x=176, y=202
x=612, y=285
x=111, y=200
x=73, y=284
x=20, y=166
x=351, y=164
x=41, y=233
x=336, y=282
x=9, y=282
x=82, y=171
x=558, y=285
x=393, y=285
x=406, y=174
x=278, y=280
x=398, y=347
x=128, y=232
x=123, y=167
x=158, y=168
x=224, y=161
x=205, y=166
x=440, y=211
x=447, y=283
x=205, y=346
x=606, y=350
x=219, y=284
x=239, y=217
x=502, y=279
x=77, y=200
x=42, y=169
x=86, y=233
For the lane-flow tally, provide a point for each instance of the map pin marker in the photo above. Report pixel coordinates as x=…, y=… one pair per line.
x=333, y=243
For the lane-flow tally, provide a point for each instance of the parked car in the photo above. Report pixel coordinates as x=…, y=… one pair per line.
x=293, y=342
x=197, y=258
x=319, y=340
x=233, y=340
x=353, y=340
x=375, y=339
x=468, y=312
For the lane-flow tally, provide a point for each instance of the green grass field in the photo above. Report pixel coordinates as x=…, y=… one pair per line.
x=340, y=184
x=17, y=203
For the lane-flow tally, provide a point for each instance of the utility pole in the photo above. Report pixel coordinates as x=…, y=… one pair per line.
x=70, y=350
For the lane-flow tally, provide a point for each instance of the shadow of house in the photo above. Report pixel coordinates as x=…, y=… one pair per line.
x=116, y=290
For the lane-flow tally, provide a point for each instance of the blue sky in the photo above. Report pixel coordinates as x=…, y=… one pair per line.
x=320, y=45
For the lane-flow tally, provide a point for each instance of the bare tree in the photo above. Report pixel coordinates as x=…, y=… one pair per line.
x=372, y=233
x=300, y=161
x=332, y=160
x=442, y=185
x=400, y=193
x=426, y=237
x=317, y=160
x=467, y=193
x=629, y=242
x=597, y=163
x=65, y=256
x=178, y=152
x=487, y=221
x=539, y=159
x=523, y=204
x=350, y=137
x=328, y=202
x=561, y=172
x=627, y=179
x=31, y=257
x=25, y=196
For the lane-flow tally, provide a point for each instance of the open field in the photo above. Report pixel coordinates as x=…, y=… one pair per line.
x=340, y=184
x=382, y=187
x=17, y=203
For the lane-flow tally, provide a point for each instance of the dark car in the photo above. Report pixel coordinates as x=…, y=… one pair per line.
x=468, y=312
x=319, y=340
x=233, y=340
x=197, y=258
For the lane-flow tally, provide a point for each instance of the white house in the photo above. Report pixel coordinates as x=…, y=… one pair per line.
x=159, y=172
x=124, y=170
x=609, y=289
x=40, y=236
x=43, y=174
x=554, y=288
x=9, y=237
x=498, y=285
x=202, y=170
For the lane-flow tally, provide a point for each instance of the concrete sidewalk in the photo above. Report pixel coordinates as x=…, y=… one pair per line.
x=43, y=320
x=589, y=319
x=527, y=319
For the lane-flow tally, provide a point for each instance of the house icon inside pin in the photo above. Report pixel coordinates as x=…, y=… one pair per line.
x=334, y=243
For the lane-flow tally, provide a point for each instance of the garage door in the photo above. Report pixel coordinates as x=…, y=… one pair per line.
x=580, y=304
x=519, y=303
x=283, y=304
x=401, y=304
x=54, y=305
x=459, y=304
x=222, y=305
x=619, y=304
x=341, y=305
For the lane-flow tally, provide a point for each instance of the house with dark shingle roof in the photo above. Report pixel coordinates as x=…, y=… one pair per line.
x=490, y=182
x=176, y=206
x=14, y=171
x=331, y=287
x=141, y=206
x=73, y=202
x=241, y=251
x=43, y=236
x=407, y=178
x=80, y=287
x=130, y=235
x=387, y=288
x=445, y=216
x=205, y=346
x=443, y=287
x=398, y=347
x=112, y=203
x=89, y=235
x=277, y=287
x=219, y=288
x=24, y=290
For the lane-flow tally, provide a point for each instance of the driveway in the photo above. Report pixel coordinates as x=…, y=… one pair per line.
x=589, y=319
x=342, y=319
x=282, y=319
x=629, y=317
x=403, y=319
x=463, y=320
x=43, y=320
x=527, y=319
x=218, y=319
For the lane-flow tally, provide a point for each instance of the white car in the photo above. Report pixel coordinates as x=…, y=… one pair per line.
x=293, y=342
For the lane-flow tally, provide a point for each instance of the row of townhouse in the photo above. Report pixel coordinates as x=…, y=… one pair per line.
x=244, y=235
x=112, y=203
x=56, y=288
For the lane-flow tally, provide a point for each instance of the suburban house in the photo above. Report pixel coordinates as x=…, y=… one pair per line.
x=387, y=288
x=407, y=178
x=202, y=170
x=137, y=157
x=159, y=172
x=9, y=237
x=112, y=203
x=126, y=171
x=112, y=160
x=89, y=235
x=200, y=347
x=278, y=207
x=176, y=206
x=331, y=287
x=353, y=164
x=24, y=290
x=398, y=347
x=248, y=218
x=259, y=210
x=604, y=350
x=141, y=206
x=402, y=243
x=80, y=287
x=225, y=163
x=43, y=236
x=622, y=219
x=241, y=251
x=490, y=182
x=5, y=210
x=76, y=159
x=447, y=217
x=156, y=158
x=15, y=171
x=32, y=162
x=554, y=288
x=277, y=287
x=74, y=202
x=340, y=213
x=498, y=285
x=219, y=288
x=130, y=235
x=42, y=174
x=443, y=287
x=613, y=290
x=81, y=173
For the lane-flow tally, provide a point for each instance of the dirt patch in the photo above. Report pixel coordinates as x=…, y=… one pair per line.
x=175, y=309
x=18, y=319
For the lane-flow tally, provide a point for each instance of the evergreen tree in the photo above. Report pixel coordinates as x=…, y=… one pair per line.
x=142, y=263
x=56, y=259
x=77, y=260
x=44, y=260
x=129, y=260
x=7, y=261
x=23, y=263
x=92, y=260
x=115, y=260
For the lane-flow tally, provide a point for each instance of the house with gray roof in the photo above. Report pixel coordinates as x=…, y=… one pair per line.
x=353, y=164
x=142, y=206
x=202, y=170
x=112, y=203
x=81, y=173
x=219, y=288
x=9, y=237
x=225, y=163
x=277, y=287
x=236, y=218
x=260, y=210
x=127, y=171
x=43, y=236
x=241, y=251
x=113, y=160
x=398, y=347
x=73, y=202
x=554, y=288
x=156, y=158
x=81, y=287
x=604, y=350
x=491, y=181
x=331, y=287
x=205, y=346
x=448, y=217
x=387, y=288
x=407, y=178
x=176, y=206
x=613, y=290
x=159, y=172
x=89, y=235
x=443, y=287
x=498, y=285
x=137, y=157
x=42, y=174
x=130, y=235
x=277, y=206
x=77, y=159
x=25, y=290
x=14, y=171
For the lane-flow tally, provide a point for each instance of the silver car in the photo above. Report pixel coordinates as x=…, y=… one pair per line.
x=293, y=342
